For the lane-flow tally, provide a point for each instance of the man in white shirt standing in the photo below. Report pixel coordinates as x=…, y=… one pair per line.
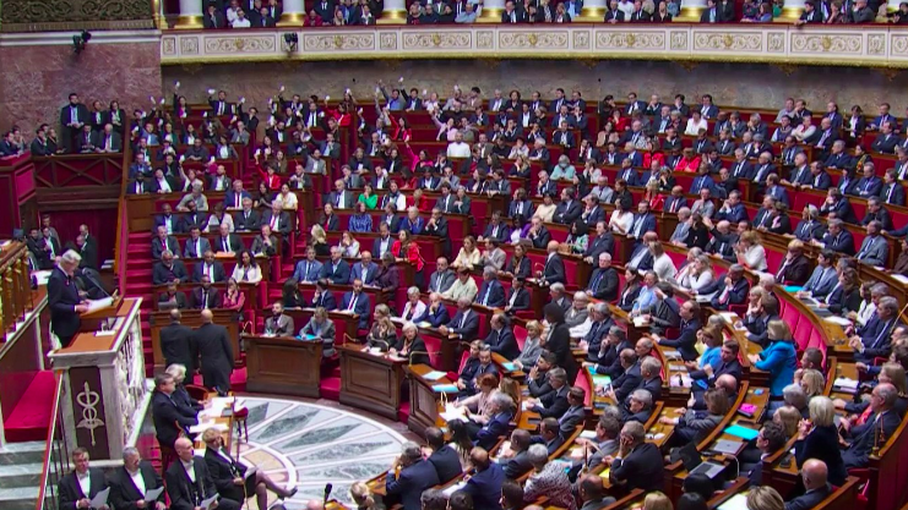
x=77, y=489
x=458, y=148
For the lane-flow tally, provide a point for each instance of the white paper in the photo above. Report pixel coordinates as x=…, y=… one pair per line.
x=736, y=502
x=844, y=382
x=902, y=279
x=100, y=498
x=202, y=427
x=841, y=321
x=207, y=503
x=250, y=472
x=97, y=304
x=454, y=488
x=154, y=494
x=588, y=434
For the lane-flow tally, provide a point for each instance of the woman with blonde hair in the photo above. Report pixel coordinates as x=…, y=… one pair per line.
x=532, y=347
x=469, y=255
x=779, y=358
x=657, y=501
x=363, y=497
x=812, y=382
x=511, y=388
x=789, y=418
x=383, y=332
x=319, y=240
x=818, y=438
x=764, y=497
x=750, y=252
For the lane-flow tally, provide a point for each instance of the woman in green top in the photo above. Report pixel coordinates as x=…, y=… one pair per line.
x=579, y=236
x=368, y=197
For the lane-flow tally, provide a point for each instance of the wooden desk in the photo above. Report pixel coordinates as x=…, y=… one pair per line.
x=425, y=407
x=193, y=318
x=369, y=381
x=345, y=324
x=283, y=365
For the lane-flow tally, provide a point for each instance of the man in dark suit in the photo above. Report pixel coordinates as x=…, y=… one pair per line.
x=130, y=484
x=341, y=198
x=501, y=338
x=443, y=277
x=163, y=242
x=358, y=302
x=323, y=297
x=517, y=462
x=210, y=267
x=225, y=242
x=638, y=464
x=603, y=242
x=644, y=221
x=690, y=324
x=444, y=458
x=189, y=482
x=215, y=353
x=838, y=239
x=72, y=117
x=464, y=324
x=214, y=19
x=170, y=420
x=88, y=250
x=518, y=297
x=336, y=270
x=569, y=209
x=171, y=224
x=553, y=269
x=814, y=474
x=499, y=409
x=233, y=479
x=879, y=426
x=731, y=290
x=575, y=414
x=416, y=475
x=76, y=489
x=484, y=486
x=63, y=298
x=278, y=219
x=491, y=293
x=555, y=403
x=177, y=343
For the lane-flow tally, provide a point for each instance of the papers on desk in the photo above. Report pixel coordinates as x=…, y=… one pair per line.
x=680, y=381
x=154, y=494
x=672, y=355
x=845, y=385
x=736, y=502
x=841, y=321
x=452, y=413
x=588, y=434
x=42, y=276
x=109, y=332
x=444, y=388
x=375, y=351
x=705, y=298
x=207, y=503
x=655, y=437
x=97, y=304
x=434, y=375
x=676, y=367
x=100, y=498
x=640, y=322
x=454, y=488
x=205, y=425
x=527, y=407
x=900, y=278
x=810, y=301
x=424, y=324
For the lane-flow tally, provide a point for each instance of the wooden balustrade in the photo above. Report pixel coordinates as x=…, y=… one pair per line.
x=15, y=286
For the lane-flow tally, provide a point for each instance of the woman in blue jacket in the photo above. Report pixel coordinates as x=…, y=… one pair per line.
x=779, y=359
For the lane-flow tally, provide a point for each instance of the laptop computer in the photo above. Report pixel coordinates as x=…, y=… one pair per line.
x=694, y=464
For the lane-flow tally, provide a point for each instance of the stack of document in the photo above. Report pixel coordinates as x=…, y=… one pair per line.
x=205, y=425
x=452, y=413
x=454, y=488
x=841, y=321
x=434, y=375
x=845, y=385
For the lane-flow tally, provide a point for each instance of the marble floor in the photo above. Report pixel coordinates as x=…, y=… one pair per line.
x=309, y=445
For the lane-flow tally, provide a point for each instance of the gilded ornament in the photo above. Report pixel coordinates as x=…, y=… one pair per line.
x=727, y=40
x=533, y=39
x=826, y=42
x=436, y=40
x=338, y=41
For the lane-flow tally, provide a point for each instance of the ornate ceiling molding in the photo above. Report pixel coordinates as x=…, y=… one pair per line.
x=866, y=46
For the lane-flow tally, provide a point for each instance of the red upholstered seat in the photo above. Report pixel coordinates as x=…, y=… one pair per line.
x=802, y=337
x=403, y=414
x=677, y=257
x=433, y=346
x=570, y=273
x=329, y=388
x=520, y=334
x=774, y=259
x=463, y=361
x=790, y=315
x=583, y=382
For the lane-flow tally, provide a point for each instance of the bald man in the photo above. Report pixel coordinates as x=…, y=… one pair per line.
x=592, y=493
x=816, y=488
x=485, y=485
x=553, y=270
x=215, y=353
x=189, y=482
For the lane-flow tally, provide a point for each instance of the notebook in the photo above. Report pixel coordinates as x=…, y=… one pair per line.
x=742, y=432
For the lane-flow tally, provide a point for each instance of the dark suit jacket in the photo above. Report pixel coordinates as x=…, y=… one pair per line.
x=469, y=329
x=504, y=343
x=215, y=355
x=339, y=275
x=686, y=340
x=361, y=307
x=214, y=298
x=283, y=222
x=797, y=271
x=495, y=293
x=411, y=482
x=69, y=491
x=518, y=465
x=62, y=297
x=177, y=346
x=223, y=473
x=234, y=243
x=169, y=419
x=446, y=462
x=185, y=495
x=521, y=302
x=161, y=275
x=253, y=222
x=489, y=434
x=553, y=271
x=485, y=487
x=809, y=499
x=641, y=469
x=554, y=403
x=124, y=493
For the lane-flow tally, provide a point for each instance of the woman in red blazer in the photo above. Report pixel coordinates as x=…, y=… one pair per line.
x=406, y=249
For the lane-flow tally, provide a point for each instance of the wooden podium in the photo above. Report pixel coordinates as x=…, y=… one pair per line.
x=193, y=319
x=369, y=381
x=106, y=393
x=283, y=365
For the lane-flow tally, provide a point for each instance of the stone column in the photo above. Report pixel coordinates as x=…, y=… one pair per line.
x=691, y=11
x=593, y=11
x=791, y=11
x=294, y=12
x=394, y=13
x=190, y=15
x=491, y=11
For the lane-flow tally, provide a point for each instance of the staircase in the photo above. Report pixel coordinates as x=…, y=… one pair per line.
x=20, y=474
x=139, y=266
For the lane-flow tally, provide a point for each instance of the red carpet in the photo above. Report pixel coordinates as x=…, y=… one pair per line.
x=30, y=418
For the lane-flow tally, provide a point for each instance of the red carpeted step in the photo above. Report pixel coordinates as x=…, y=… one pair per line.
x=329, y=388
x=237, y=379
x=403, y=414
x=31, y=417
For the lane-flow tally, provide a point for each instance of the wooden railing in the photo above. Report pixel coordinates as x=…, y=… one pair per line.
x=56, y=452
x=15, y=286
x=79, y=170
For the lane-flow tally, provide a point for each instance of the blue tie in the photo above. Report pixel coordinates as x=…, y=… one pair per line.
x=595, y=284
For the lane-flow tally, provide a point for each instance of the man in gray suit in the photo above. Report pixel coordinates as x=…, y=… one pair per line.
x=196, y=245
x=874, y=250
x=606, y=442
x=279, y=324
x=493, y=255
x=679, y=236
x=443, y=277
x=516, y=462
x=576, y=413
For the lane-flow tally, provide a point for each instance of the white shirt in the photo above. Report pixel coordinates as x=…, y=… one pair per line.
x=418, y=309
x=693, y=128
x=138, y=480
x=241, y=23
x=84, y=482
x=190, y=470
x=755, y=256
x=459, y=150
x=664, y=268
x=288, y=201
x=252, y=274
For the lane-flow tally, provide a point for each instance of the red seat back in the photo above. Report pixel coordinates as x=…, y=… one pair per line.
x=583, y=382
x=520, y=334
x=433, y=347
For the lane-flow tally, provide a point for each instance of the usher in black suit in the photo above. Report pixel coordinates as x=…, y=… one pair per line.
x=62, y=297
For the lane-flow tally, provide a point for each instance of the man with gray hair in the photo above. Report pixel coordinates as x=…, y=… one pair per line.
x=491, y=293
x=838, y=238
x=554, y=403
x=557, y=293
x=876, y=342
x=416, y=475
x=433, y=499
x=638, y=464
x=131, y=483
x=876, y=430
x=501, y=339
x=680, y=233
x=577, y=313
x=599, y=324
x=63, y=298
x=795, y=396
x=874, y=249
x=639, y=406
x=731, y=290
